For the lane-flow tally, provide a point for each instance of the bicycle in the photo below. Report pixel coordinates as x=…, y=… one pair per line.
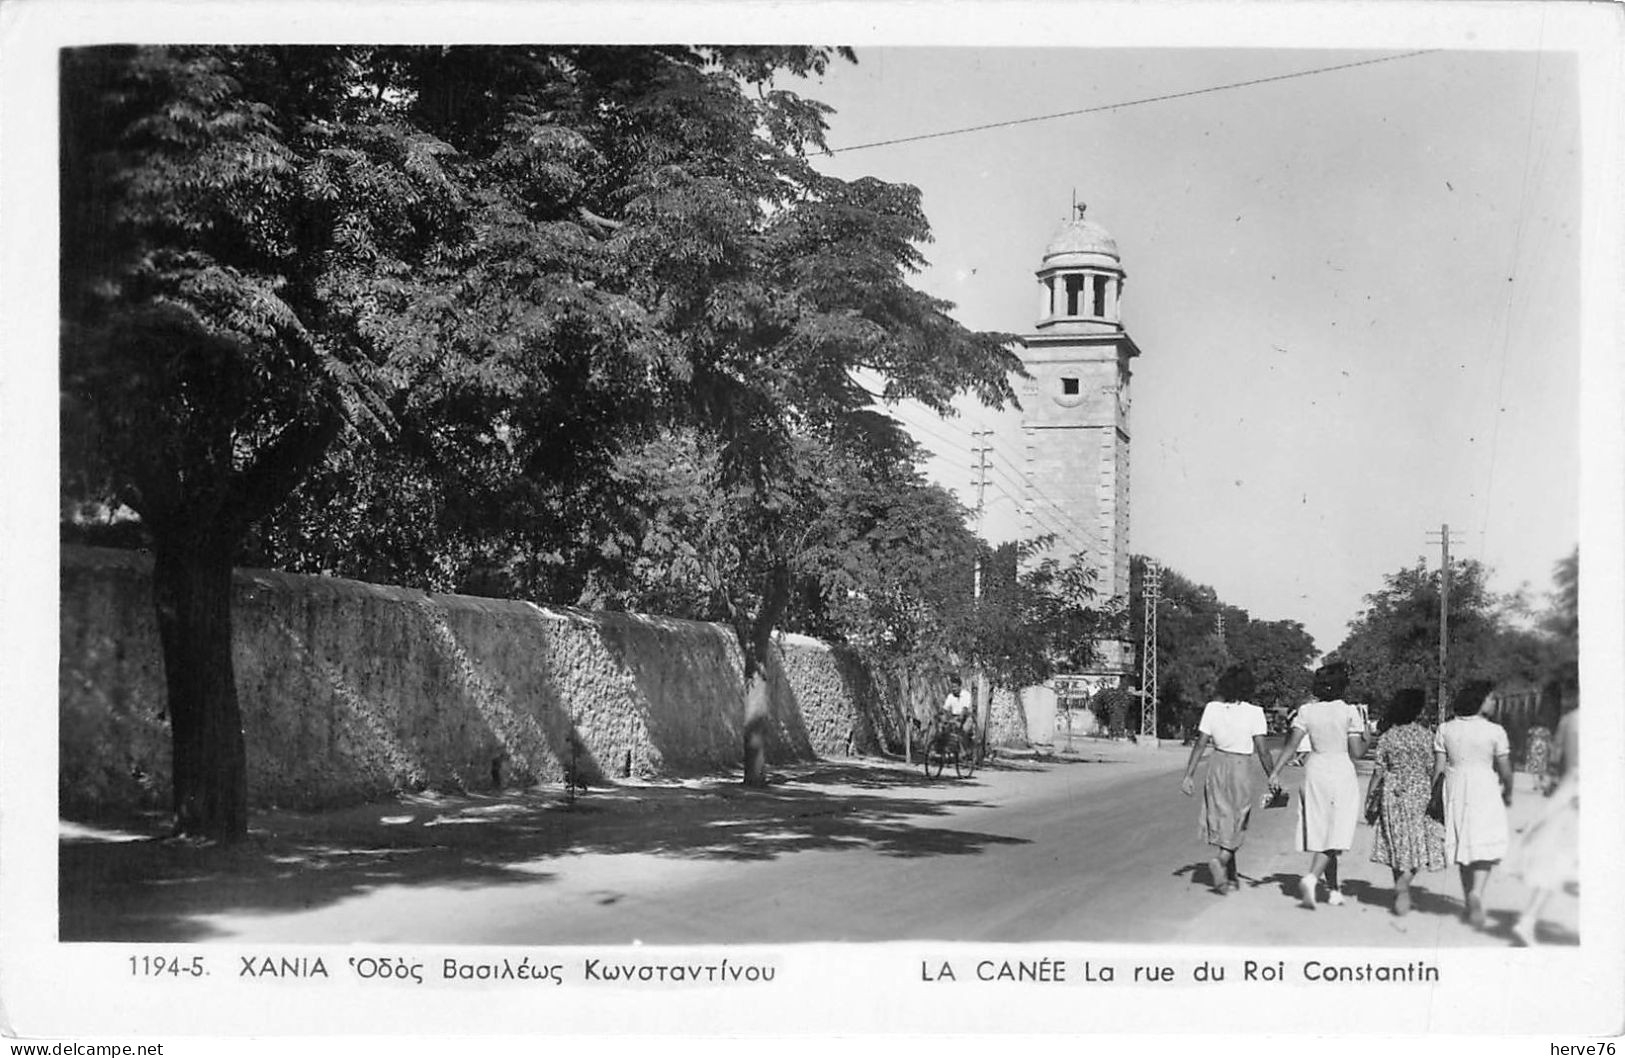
x=947, y=740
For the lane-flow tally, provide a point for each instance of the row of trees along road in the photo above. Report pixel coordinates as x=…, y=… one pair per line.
x=1392, y=643
x=573, y=324
x=1191, y=653
x=1507, y=638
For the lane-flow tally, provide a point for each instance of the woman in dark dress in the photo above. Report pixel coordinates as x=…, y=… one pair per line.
x=1406, y=840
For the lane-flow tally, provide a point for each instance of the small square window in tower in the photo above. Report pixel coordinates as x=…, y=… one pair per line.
x=1069, y=387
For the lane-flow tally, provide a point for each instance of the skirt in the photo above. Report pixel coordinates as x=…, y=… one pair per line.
x=1475, y=820
x=1330, y=803
x=1406, y=838
x=1228, y=797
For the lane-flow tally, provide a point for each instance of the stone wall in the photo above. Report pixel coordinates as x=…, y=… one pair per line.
x=352, y=691
x=1007, y=723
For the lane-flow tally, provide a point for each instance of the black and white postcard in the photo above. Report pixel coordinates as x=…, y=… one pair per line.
x=627, y=523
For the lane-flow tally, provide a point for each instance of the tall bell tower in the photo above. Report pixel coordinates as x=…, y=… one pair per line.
x=1075, y=411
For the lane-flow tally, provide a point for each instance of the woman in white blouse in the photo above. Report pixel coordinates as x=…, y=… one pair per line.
x=1474, y=756
x=1330, y=799
x=1235, y=728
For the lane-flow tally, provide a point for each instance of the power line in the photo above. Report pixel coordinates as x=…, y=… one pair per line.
x=1512, y=293
x=961, y=447
x=1068, y=527
x=1132, y=102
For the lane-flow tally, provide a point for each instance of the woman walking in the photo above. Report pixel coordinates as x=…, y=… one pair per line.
x=1235, y=728
x=1548, y=856
x=1474, y=756
x=1406, y=840
x=1330, y=799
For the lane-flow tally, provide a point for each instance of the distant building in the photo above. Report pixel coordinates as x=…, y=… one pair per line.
x=1075, y=424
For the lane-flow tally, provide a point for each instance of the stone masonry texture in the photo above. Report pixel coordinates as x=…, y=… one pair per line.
x=353, y=691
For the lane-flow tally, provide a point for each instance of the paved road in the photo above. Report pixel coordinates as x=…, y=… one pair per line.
x=1098, y=848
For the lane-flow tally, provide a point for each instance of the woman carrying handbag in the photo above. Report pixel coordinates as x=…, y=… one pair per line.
x=1473, y=755
x=1405, y=840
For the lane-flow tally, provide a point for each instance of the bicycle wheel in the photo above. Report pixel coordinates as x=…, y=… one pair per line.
x=965, y=762
x=935, y=760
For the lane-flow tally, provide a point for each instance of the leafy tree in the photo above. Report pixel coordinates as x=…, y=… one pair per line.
x=889, y=570
x=1561, y=621
x=1394, y=642
x=1037, y=617
x=779, y=292
x=1191, y=653
x=769, y=283
x=236, y=226
x=497, y=265
x=1278, y=653
x=1115, y=709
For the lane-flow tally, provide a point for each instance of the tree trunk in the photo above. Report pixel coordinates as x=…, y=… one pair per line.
x=756, y=720
x=756, y=643
x=192, y=590
x=984, y=693
x=905, y=713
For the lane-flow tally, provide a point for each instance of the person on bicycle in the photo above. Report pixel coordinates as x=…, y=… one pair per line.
x=958, y=704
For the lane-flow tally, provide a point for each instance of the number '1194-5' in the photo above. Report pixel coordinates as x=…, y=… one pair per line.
x=160, y=966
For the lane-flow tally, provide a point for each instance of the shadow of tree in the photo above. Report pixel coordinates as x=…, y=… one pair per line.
x=153, y=889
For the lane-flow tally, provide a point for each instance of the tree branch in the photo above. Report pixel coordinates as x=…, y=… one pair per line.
x=602, y=223
x=260, y=489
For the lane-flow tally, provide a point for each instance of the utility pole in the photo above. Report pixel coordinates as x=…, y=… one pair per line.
x=980, y=447
x=1444, y=616
x=1218, y=628
x=1150, y=594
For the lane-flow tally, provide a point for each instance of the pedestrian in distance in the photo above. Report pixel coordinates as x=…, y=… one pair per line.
x=1236, y=730
x=1329, y=803
x=1547, y=857
x=1473, y=754
x=958, y=705
x=1406, y=840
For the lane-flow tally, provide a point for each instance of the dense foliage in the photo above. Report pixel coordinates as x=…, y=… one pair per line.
x=401, y=313
x=1191, y=652
x=1394, y=642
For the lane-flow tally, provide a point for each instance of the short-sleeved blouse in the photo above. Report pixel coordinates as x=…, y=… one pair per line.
x=1232, y=725
x=1467, y=741
x=1329, y=724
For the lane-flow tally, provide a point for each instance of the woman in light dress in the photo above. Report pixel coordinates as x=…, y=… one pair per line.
x=1405, y=839
x=1330, y=801
x=1548, y=855
x=1474, y=756
x=1235, y=728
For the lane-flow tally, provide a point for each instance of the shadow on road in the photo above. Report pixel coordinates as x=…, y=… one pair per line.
x=1200, y=873
x=1423, y=901
x=113, y=888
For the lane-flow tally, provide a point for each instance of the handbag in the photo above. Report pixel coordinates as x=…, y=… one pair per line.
x=1373, y=799
x=1276, y=798
x=1436, y=800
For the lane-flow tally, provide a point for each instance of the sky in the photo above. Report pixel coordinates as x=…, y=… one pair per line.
x=1356, y=292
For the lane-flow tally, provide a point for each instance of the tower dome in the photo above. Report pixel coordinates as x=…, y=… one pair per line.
x=1081, y=242
x=1081, y=278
